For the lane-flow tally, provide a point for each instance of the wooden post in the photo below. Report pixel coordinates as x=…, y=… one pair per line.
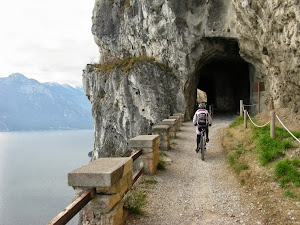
x=272, y=125
x=258, y=93
x=271, y=104
x=245, y=118
x=241, y=107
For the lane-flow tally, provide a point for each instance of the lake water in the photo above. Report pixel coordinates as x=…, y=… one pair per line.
x=33, y=173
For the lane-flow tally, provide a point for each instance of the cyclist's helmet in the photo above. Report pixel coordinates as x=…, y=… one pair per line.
x=202, y=106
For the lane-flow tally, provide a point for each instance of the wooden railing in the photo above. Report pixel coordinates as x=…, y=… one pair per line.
x=70, y=211
x=138, y=173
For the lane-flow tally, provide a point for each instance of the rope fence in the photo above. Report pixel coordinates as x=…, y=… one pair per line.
x=287, y=129
x=256, y=124
x=272, y=121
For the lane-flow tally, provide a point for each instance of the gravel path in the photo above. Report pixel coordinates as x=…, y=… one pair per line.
x=192, y=191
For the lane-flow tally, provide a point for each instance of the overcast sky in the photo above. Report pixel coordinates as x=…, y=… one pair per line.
x=47, y=40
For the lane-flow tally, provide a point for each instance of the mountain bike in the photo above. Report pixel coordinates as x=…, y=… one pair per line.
x=202, y=143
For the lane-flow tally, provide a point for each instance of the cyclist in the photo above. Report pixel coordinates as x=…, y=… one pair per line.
x=202, y=119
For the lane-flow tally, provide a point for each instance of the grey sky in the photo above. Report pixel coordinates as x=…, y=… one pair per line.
x=48, y=40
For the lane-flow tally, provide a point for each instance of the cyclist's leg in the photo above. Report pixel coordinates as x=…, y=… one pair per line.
x=207, y=139
x=198, y=141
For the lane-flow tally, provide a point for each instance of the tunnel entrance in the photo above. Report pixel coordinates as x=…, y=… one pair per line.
x=222, y=74
x=225, y=82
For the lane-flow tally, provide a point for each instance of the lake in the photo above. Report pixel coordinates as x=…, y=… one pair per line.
x=33, y=173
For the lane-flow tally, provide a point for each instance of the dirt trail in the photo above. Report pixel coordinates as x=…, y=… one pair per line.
x=192, y=191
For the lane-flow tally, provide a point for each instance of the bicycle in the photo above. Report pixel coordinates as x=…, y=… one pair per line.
x=202, y=143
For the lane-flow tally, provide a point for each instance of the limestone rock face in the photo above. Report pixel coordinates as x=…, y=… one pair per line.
x=128, y=104
x=192, y=38
x=269, y=40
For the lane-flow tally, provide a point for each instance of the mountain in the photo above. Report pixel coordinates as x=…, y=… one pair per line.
x=26, y=104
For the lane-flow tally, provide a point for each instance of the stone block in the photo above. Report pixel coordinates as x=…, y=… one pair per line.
x=177, y=121
x=144, y=141
x=94, y=216
x=120, y=187
x=115, y=216
x=164, y=132
x=150, y=146
x=173, y=124
x=104, y=203
x=103, y=172
x=181, y=116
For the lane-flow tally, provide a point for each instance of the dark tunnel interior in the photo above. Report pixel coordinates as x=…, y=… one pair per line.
x=225, y=82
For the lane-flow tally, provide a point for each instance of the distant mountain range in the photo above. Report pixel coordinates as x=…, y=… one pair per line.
x=26, y=104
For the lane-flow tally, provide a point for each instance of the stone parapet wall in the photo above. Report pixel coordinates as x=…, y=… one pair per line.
x=110, y=178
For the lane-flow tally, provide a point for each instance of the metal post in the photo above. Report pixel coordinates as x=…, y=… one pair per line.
x=272, y=126
x=245, y=118
x=241, y=107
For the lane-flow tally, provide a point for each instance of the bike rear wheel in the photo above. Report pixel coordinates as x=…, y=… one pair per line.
x=202, y=146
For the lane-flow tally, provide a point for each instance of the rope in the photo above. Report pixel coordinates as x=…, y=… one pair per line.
x=287, y=129
x=251, y=105
x=256, y=124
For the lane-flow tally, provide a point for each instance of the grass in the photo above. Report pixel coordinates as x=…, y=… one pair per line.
x=128, y=63
x=234, y=159
x=149, y=181
x=136, y=199
x=270, y=149
x=287, y=172
x=242, y=182
x=174, y=143
x=161, y=164
x=288, y=193
x=272, y=154
x=238, y=121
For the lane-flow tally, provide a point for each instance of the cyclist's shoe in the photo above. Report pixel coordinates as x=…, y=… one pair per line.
x=197, y=150
x=207, y=140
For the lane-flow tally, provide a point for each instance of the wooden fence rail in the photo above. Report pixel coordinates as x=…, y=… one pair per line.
x=68, y=213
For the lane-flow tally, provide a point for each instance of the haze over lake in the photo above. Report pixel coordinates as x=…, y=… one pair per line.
x=33, y=173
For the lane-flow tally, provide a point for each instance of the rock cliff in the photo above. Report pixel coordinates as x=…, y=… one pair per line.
x=220, y=46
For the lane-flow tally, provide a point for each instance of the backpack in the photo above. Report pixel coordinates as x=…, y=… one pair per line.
x=202, y=118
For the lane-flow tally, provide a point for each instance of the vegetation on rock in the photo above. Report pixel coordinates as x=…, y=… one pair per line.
x=128, y=63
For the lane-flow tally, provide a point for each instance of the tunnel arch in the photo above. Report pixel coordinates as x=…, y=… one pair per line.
x=223, y=74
